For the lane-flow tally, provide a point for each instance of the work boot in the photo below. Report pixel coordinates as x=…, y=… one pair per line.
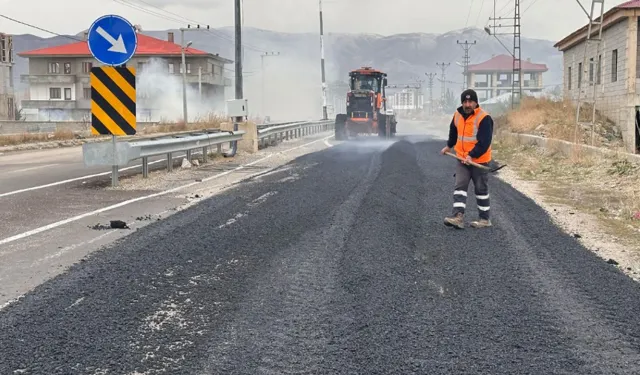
x=482, y=223
x=455, y=221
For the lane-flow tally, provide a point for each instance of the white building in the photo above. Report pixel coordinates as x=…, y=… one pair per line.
x=615, y=70
x=7, y=98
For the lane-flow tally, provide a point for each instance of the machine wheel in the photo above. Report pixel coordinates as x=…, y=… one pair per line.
x=340, y=127
x=382, y=127
x=394, y=122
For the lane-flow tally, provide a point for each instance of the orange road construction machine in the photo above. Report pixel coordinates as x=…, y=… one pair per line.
x=367, y=111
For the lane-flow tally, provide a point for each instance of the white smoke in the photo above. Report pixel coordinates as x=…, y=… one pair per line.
x=292, y=88
x=159, y=95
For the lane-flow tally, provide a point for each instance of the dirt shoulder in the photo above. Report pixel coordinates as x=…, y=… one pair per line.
x=593, y=198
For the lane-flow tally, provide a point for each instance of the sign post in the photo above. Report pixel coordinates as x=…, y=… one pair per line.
x=113, y=41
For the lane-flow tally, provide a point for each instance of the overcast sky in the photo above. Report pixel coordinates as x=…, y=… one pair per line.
x=542, y=19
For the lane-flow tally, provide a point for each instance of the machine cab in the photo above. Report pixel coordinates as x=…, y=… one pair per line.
x=366, y=93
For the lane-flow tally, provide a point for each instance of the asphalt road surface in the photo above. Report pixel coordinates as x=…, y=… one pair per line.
x=339, y=263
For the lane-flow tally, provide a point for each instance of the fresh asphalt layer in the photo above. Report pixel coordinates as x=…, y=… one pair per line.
x=346, y=268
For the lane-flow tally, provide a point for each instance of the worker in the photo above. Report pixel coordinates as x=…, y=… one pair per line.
x=470, y=135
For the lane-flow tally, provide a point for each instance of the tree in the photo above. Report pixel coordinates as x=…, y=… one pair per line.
x=450, y=102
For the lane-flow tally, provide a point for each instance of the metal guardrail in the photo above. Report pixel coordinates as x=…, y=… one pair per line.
x=122, y=153
x=292, y=130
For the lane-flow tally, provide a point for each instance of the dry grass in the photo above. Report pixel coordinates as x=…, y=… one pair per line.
x=557, y=120
x=609, y=188
x=209, y=121
x=17, y=139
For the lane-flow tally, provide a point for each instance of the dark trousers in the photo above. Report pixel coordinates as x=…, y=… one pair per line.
x=464, y=174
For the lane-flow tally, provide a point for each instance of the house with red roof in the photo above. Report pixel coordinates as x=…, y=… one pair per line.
x=7, y=92
x=59, y=77
x=613, y=69
x=493, y=77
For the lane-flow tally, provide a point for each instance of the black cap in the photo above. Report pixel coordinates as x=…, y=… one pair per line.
x=469, y=94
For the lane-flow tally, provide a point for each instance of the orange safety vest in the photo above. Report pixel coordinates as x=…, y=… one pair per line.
x=467, y=131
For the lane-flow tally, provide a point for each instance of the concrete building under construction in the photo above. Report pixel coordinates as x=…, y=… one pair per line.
x=7, y=98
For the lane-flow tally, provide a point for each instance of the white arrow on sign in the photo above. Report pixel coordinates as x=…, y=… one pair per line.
x=116, y=45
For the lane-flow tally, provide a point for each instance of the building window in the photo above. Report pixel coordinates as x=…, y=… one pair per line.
x=591, y=70
x=579, y=75
x=67, y=94
x=86, y=93
x=599, y=77
x=55, y=93
x=86, y=67
x=188, y=68
x=171, y=68
x=67, y=68
x=54, y=68
x=614, y=65
x=569, y=79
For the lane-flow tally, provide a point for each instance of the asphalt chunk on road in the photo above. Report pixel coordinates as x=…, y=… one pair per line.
x=346, y=268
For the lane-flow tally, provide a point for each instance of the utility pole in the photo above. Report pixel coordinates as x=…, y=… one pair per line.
x=262, y=56
x=430, y=76
x=183, y=50
x=465, y=46
x=516, y=53
x=420, y=91
x=584, y=83
x=238, y=50
x=324, y=84
x=443, y=94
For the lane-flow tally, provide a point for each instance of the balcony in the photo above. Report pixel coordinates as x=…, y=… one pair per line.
x=55, y=104
x=48, y=78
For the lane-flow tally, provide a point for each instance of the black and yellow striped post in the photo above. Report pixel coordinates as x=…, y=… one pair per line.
x=113, y=100
x=113, y=105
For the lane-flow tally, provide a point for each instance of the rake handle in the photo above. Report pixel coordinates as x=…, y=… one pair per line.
x=470, y=162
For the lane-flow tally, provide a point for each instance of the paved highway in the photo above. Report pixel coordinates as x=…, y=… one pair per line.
x=335, y=263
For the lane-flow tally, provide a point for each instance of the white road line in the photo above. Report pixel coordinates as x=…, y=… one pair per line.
x=326, y=142
x=85, y=177
x=127, y=202
x=32, y=168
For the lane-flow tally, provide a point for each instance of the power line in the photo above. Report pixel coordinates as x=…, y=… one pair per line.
x=479, y=13
x=40, y=28
x=67, y=36
x=180, y=20
x=468, y=14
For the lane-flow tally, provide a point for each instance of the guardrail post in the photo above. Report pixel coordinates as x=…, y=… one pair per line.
x=219, y=149
x=189, y=156
x=204, y=154
x=145, y=167
x=169, y=162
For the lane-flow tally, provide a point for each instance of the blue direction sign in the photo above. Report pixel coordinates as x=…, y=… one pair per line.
x=112, y=40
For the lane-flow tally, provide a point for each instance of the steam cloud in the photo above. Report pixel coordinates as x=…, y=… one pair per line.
x=159, y=95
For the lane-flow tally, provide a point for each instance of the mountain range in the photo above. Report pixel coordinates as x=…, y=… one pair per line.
x=405, y=57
